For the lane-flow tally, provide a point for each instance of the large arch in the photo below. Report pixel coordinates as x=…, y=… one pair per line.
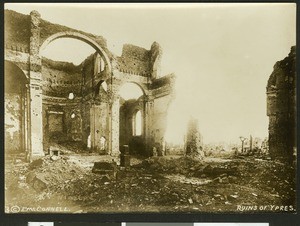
x=134, y=84
x=81, y=37
x=93, y=43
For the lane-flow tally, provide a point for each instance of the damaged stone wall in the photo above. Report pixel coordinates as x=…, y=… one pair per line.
x=158, y=122
x=139, y=61
x=162, y=91
x=99, y=127
x=281, y=107
x=61, y=123
x=134, y=60
x=17, y=32
x=93, y=115
x=13, y=122
x=14, y=99
x=61, y=78
x=96, y=108
x=62, y=119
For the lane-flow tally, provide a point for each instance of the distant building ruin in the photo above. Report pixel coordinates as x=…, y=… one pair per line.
x=193, y=140
x=281, y=107
x=48, y=101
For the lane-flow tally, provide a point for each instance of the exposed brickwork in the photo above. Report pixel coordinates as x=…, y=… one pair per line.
x=17, y=34
x=60, y=79
x=281, y=107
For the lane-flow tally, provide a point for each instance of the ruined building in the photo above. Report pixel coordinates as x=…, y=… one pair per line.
x=48, y=101
x=281, y=107
x=193, y=140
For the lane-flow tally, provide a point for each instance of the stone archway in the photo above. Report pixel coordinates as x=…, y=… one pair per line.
x=81, y=37
x=92, y=134
x=123, y=115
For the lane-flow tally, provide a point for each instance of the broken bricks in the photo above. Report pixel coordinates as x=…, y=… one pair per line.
x=37, y=181
x=107, y=170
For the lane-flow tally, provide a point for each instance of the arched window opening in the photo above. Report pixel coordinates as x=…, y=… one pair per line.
x=104, y=86
x=99, y=64
x=137, y=124
x=102, y=64
x=71, y=96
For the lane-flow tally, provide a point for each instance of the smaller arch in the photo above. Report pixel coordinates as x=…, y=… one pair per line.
x=81, y=37
x=71, y=96
x=8, y=65
x=124, y=84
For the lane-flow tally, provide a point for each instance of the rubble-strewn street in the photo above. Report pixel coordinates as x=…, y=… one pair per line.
x=167, y=183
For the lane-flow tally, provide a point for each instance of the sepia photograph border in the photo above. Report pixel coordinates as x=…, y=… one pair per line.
x=275, y=219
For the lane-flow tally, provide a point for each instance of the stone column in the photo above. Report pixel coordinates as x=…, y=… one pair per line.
x=148, y=107
x=114, y=117
x=35, y=86
x=93, y=125
x=26, y=118
x=115, y=125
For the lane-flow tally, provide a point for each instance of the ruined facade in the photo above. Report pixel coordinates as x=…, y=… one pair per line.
x=194, y=140
x=48, y=101
x=281, y=107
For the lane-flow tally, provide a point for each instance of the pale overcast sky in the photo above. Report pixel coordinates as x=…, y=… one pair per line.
x=222, y=54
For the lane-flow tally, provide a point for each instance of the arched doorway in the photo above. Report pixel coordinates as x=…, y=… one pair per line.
x=16, y=110
x=132, y=118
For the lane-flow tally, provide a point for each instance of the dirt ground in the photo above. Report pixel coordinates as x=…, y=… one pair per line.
x=157, y=184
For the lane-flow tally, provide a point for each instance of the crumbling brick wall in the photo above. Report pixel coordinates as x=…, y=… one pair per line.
x=17, y=32
x=51, y=82
x=61, y=78
x=134, y=60
x=281, y=107
x=15, y=94
x=61, y=115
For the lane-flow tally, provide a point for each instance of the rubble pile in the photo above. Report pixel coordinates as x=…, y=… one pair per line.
x=53, y=172
x=157, y=184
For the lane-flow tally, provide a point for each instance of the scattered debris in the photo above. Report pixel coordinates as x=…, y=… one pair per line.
x=96, y=184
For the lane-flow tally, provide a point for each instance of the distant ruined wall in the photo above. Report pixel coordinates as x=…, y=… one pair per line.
x=62, y=119
x=281, y=107
x=61, y=123
x=60, y=79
